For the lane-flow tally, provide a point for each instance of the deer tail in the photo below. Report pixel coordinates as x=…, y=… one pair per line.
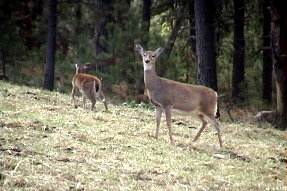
x=77, y=68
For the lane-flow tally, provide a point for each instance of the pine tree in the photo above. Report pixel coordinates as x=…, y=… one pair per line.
x=238, y=77
x=50, y=63
x=267, y=60
x=205, y=42
x=279, y=51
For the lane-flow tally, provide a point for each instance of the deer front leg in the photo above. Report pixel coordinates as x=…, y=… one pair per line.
x=158, y=119
x=168, y=122
x=104, y=100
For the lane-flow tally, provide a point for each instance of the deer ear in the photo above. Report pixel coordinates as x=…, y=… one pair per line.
x=159, y=51
x=139, y=49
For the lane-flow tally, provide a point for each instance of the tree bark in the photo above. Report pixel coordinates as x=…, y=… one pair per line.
x=78, y=19
x=146, y=15
x=3, y=64
x=105, y=15
x=38, y=9
x=279, y=55
x=205, y=42
x=192, y=34
x=267, y=57
x=50, y=63
x=238, y=77
x=192, y=39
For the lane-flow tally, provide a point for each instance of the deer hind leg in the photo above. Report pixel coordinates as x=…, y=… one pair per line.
x=84, y=100
x=93, y=103
x=106, y=105
x=158, y=119
x=92, y=98
x=203, y=125
x=168, y=122
x=73, y=96
x=104, y=100
x=215, y=124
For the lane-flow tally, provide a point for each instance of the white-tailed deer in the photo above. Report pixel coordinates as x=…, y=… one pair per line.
x=90, y=87
x=174, y=97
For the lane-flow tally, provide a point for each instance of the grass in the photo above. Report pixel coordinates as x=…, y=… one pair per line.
x=46, y=144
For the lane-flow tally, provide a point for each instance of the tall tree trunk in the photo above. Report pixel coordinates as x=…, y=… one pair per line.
x=50, y=63
x=279, y=52
x=38, y=9
x=104, y=16
x=218, y=24
x=267, y=57
x=78, y=19
x=6, y=10
x=3, y=64
x=239, y=49
x=146, y=15
x=205, y=42
x=192, y=38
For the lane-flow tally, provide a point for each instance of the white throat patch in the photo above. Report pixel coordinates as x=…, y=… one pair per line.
x=147, y=67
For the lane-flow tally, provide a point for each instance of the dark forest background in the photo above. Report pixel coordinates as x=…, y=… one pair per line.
x=236, y=47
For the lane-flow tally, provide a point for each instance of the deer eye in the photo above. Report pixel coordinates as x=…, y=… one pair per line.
x=153, y=55
x=144, y=55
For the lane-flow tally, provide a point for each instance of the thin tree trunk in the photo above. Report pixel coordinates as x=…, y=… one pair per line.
x=105, y=16
x=38, y=9
x=205, y=42
x=78, y=18
x=279, y=52
x=191, y=38
x=169, y=46
x=146, y=15
x=218, y=21
x=5, y=8
x=192, y=27
x=239, y=50
x=267, y=57
x=50, y=63
x=3, y=64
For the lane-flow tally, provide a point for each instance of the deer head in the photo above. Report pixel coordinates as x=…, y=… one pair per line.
x=148, y=57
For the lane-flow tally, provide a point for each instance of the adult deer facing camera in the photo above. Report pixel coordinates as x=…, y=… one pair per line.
x=90, y=87
x=175, y=97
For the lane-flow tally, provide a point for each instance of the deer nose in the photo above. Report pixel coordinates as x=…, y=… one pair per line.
x=147, y=61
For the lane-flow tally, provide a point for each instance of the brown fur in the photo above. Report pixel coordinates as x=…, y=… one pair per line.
x=90, y=87
x=170, y=96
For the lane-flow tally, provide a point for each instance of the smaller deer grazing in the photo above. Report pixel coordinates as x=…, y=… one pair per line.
x=90, y=87
x=174, y=97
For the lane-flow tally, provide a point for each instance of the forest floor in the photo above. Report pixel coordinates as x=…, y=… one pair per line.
x=46, y=144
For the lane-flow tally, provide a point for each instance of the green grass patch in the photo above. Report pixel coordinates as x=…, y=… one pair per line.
x=46, y=144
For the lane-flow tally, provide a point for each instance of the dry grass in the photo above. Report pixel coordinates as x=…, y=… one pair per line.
x=45, y=144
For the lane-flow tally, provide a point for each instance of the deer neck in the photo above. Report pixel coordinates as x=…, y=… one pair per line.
x=150, y=77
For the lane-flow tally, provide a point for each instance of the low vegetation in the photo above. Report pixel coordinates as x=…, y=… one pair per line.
x=46, y=144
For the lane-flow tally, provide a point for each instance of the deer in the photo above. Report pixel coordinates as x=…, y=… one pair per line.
x=90, y=87
x=170, y=97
